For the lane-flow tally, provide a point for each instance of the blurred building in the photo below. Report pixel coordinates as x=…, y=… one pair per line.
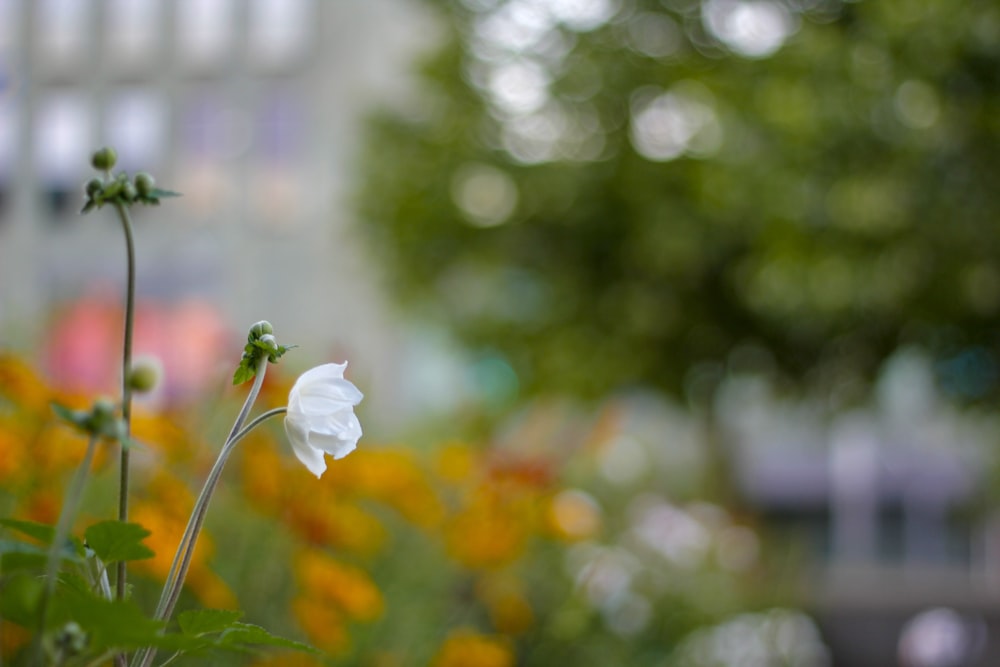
x=251, y=109
x=890, y=504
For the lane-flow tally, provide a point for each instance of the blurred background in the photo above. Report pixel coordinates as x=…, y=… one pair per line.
x=676, y=319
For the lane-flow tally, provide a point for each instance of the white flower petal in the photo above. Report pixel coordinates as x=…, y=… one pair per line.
x=320, y=418
x=310, y=457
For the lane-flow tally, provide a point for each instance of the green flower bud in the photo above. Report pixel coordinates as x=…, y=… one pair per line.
x=259, y=329
x=269, y=342
x=145, y=375
x=144, y=184
x=94, y=186
x=129, y=192
x=104, y=159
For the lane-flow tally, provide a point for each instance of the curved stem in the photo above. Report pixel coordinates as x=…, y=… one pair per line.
x=257, y=421
x=185, y=550
x=63, y=526
x=123, y=479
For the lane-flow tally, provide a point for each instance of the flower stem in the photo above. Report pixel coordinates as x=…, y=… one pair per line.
x=123, y=479
x=185, y=550
x=63, y=526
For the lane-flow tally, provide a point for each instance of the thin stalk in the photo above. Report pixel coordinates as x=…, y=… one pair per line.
x=174, y=584
x=123, y=478
x=63, y=525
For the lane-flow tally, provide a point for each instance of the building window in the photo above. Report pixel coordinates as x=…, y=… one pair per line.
x=204, y=32
x=280, y=31
x=62, y=148
x=63, y=30
x=133, y=32
x=10, y=20
x=136, y=125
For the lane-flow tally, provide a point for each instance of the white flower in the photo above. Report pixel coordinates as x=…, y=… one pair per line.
x=320, y=418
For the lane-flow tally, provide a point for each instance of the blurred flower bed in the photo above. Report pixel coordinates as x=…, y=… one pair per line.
x=562, y=537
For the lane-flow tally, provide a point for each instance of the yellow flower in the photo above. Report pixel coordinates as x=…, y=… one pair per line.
x=470, y=649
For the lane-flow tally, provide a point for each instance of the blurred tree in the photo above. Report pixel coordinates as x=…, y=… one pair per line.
x=618, y=191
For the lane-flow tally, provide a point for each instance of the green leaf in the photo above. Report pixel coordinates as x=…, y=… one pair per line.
x=245, y=371
x=42, y=532
x=158, y=193
x=88, y=207
x=19, y=547
x=77, y=418
x=112, y=623
x=114, y=541
x=203, y=621
x=20, y=555
x=19, y=598
x=243, y=635
x=23, y=560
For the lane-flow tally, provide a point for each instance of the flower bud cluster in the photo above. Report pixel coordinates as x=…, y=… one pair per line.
x=260, y=341
x=101, y=421
x=119, y=189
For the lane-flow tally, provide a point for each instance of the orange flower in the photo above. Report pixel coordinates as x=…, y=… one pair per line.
x=346, y=587
x=12, y=638
x=470, y=649
x=486, y=534
x=288, y=660
x=573, y=515
x=167, y=526
x=508, y=607
x=322, y=623
x=20, y=383
x=391, y=476
x=455, y=462
x=12, y=455
x=337, y=524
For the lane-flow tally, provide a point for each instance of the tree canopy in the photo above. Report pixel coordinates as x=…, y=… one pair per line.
x=610, y=192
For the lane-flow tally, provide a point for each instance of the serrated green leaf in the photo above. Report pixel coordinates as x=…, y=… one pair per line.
x=243, y=635
x=114, y=541
x=204, y=621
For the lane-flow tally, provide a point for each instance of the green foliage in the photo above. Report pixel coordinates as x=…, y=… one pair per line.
x=204, y=621
x=115, y=541
x=805, y=211
x=252, y=352
x=103, y=625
